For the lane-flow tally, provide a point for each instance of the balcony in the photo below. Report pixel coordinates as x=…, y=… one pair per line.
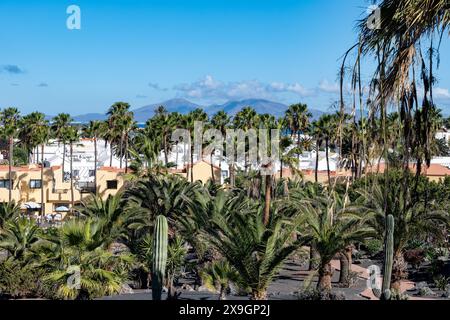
x=85, y=187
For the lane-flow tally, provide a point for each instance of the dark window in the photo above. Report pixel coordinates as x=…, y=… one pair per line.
x=91, y=173
x=4, y=184
x=76, y=173
x=35, y=184
x=111, y=184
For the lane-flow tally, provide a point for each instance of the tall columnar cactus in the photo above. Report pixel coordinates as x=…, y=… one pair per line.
x=385, y=292
x=159, y=256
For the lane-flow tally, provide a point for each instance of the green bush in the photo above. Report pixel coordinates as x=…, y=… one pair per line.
x=374, y=246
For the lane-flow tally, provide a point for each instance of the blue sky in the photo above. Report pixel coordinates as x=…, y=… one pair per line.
x=145, y=52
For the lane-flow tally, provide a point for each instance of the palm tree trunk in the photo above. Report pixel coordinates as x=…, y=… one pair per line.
x=222, y=293
x=192, y=164
x=10, y=164
x=121, y=151
x=267, y=199
x=316, y=175
x=399, y=270
x=126, y=153
x=328, y=160
x=281, y=169
x=72, y=200
x=176, y=156
x=95, y=164
x=42, y=183
x=213, y=178
x=111, y=154
x=325, y=273
x=63, y=161
x=259, y=294
x=314, y=257
x=345, y=260
x=166, y=156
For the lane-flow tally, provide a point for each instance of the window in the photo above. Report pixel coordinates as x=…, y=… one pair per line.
x=4, y=184
x=91, y=173
x=111, y=184
x=76, y=173
x=35, y=184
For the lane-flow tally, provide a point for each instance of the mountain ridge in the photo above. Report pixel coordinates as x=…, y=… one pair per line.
x=183, y=106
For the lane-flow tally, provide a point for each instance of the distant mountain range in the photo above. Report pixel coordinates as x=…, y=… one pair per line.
x=184, y=106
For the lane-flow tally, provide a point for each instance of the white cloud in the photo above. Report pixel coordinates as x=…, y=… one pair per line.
x=210, y=88
x=441, y=93
x=329, y=87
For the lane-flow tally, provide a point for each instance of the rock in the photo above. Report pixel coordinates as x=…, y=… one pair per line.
x=126, y=289
x=420, y=285
x=446, y=294
x=204, y=288
x=426, y=291
x=187, y=287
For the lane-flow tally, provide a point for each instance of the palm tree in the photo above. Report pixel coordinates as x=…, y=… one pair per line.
x=297, y=120
x=120, y=120
x=37, y=132
x=197, y=115
x=220, y=122
x=256, y=251
x=169, y=196
x=98, y=272
x=9, y=121
x=110, y=213
x=94, y=131
x=72, y=137
x=333, y=227
x=58, y=127
x=413, y=219
x=245, y=120
x=218, y=276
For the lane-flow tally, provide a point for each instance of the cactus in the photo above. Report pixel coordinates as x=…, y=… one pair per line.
x=385, y=292
x=159, y=256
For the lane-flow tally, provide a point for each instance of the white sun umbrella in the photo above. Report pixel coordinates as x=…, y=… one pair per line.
x=62, y=209
x=30, y=205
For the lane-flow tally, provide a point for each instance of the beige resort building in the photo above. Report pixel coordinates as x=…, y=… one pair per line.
x=27, y=185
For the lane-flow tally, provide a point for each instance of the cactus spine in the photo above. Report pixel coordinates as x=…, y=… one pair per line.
x=159, y=256
x=385, y=292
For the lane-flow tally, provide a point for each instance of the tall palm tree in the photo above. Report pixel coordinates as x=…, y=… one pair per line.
x=245, y=120
x=220, y=122
x=197, y=115
x=94, y=131
x=9, y=121
x=72, y=136
x=120, y=120
x=58, y=127
x=40, y=133
x=297, y=120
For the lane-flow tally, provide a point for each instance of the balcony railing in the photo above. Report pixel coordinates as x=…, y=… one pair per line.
x=86, y=187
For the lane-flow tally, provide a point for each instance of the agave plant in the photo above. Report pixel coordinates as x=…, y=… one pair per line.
x=8, y=212
x=19, y=236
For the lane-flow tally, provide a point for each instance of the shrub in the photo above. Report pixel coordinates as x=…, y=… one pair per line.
x=374, y=246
